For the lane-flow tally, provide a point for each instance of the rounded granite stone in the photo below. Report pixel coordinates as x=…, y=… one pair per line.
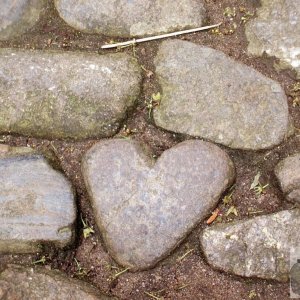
x=288, y=175
x=21, y=283
x=37, y=203
x=207, y=94
x=276, y=31
x=17, y=16
x=131, y=18
x=258, y=247
x=66, y=95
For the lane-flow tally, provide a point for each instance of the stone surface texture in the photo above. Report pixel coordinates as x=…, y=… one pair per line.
x=145, y=208
x=288, y=174
x=207, y=94
x=21, y=283
x=17, y=16
x=36, y=203
x=275, y=31
x=123, y=18
x=65, y=95
x=258, y=247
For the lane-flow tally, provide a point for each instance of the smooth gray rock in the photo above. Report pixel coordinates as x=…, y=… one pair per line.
x=288, y=174
x=276, y=31
x=36, y=203
x=207, y=94
x=17, y=16
x=143, y=208
x=124, y=18
x=65, y=94
x=21, y=283
x=258, y=247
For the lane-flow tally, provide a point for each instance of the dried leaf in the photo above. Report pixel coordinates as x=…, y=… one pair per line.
x=296, y=87
x=255, y=181
x=230, y=12
x=149, y=73
x=260, y=189
x=232, y=210
x=156, y=97
x=252, y=294
x=213, y=216
x=87, y=231
x=227, y=199
x=247, y=16
x=40, y=261
x=296, y=101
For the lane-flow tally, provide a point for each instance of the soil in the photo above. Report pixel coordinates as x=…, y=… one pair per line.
x=185, y=273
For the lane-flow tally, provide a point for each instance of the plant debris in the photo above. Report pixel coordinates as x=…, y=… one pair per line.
x=80, y=271
x=251, y=211
x=257, y=186
x=229, y=12
x=149, y=73
x=87, y=230
x=246, y=17
x=153, y=295
x=185, y=255
x=228, y=198
x=183, y=286
x=213, y=217
x=252, y=294
x=232, y=210
x=120, y=273
x=42, y=260
x=157, y=37
x=154, y=101
x=294, y=92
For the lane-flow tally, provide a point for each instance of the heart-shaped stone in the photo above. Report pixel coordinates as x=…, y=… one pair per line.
x=145, y=208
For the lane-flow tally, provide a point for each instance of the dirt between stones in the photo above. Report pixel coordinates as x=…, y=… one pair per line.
x=175, y=277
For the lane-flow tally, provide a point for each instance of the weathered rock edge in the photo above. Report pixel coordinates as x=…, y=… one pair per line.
x=44, y=227
x=131, y=18
x=275, y=31
x=287, y=172
x=258, y=247
x=29, y=14
x=36, y=283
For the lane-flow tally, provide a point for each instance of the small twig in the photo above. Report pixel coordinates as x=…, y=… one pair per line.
x=255, y=212
x=53, y=147
x=185, y=255
x=183, y=286
x=40, y=261
x=120, y=273
x=80, y=270
x=158, y=37
x=152, y=296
